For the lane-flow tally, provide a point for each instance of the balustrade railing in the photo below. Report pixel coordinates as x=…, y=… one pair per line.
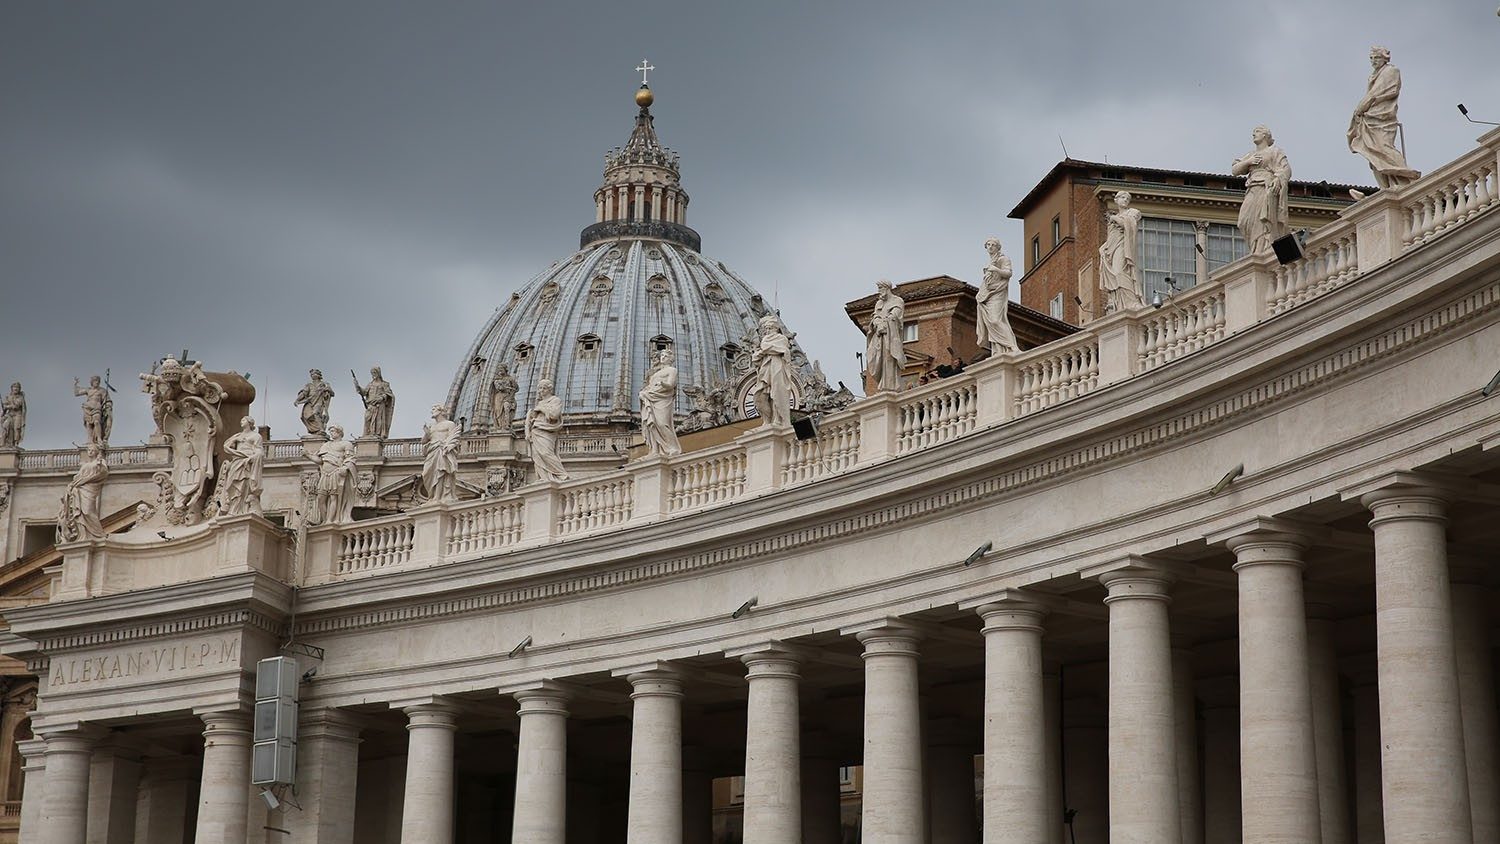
x=1327, y=262
x=283, y=450
x=1188, y=324
x=375, y=544
x=835, y=449
x=594, y=505
x=1050, y=375
x=1449, y=196
x=401, y=449
x=950, y=410
x=488, y=525
x=707, y=480
x=69, y=459
x=593, y=445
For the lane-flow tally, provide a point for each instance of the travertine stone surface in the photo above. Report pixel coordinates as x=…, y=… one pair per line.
x=65, y=805
x=427, y=810
x=327, y=778
x=34, y=769
x=541, y=807
x=1328, y=727
x=1476, y=689
x=224, y=791
x=893, y=806
x=114, y=780
x=773, y=789
x=1015, y=752
x=655, y=815
x=1185, y=723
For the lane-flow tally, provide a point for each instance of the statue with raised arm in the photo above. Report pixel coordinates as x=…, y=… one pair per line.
x=1268, y=176
x=1119, y=269
x=98, y=410
x=658, y=399
x=993, y=299
x=503, y=389
x=79, y=517
x=440, y=442
x=885, y=345
x=314, y=398
x=1373, y=128
x=543, y=423
x=12, y=417
x=380, y=403
x=774, y=381
x=239, y=486
x=333, y=493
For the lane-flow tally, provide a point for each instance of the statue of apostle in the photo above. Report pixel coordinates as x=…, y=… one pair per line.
x=658, y=398
x=12, y=417
x=380, y=403
x=503, y=389
x=98, y=410
x=994, y=302
x=543, y=424
x=1263, y=214
x=239, y=487
x=314, y=398
x=333, y=492
x=79, y=517
x=439, y=480
x=885, y=346
x=1372, y=129
x=773, y=373
x=1119, y=270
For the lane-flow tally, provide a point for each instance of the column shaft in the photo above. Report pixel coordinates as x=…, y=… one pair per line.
x=165, y=794
x=224, y=791
x=892, y=810
x=66, y=803
x=773, y=788
x=1185, y=719
x=114, y=780
x=541, y=808
x=1425, y=785
x=427, y=806
x=1015, y=729
x=327, y=779
x=1476, y=689
x=1278, y=760
x=1328, y=732
x=1142, y=727
x=655, y=759
x=34, y=783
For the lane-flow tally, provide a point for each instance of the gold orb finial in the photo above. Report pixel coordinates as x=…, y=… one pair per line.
x=643, y=96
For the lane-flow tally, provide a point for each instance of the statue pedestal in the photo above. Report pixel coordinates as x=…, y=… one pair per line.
x=10, y=458
x=501, y=442
x=366, y=448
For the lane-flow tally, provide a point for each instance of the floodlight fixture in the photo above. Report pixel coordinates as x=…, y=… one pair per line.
x=520, y=646
x=1492, y=386
x=270, y=797
x=979, y=553
x=1465, y=111
x=1228, y=479
x=745, y=608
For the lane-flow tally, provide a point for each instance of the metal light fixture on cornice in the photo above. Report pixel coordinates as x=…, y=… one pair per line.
x=521, y=646
x=1492, y=386
x=744, y=608
x=979, y=553
x=1228, y=479
x=1465, y=113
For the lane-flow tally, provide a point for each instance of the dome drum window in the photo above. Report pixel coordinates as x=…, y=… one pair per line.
x=600, y=287
x=588, y=346
x=657, y=286
x=661, y=343
x=523, y=352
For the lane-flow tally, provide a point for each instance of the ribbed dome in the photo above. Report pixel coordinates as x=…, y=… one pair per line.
x=592, y=321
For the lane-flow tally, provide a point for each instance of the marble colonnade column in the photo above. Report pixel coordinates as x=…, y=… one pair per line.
x=1016, y=786
x=65, y=803
x=1425, y=778
x=34, y=772
x=427, y=805
x=114, y=784
x=161, y=810
x=1052, y=736
x=773, y=738
x=541, y=807
x=893, y=801
x=1142, y=726
x=224, y=789
x=1476, y=690
x=1278, y=759
x=327, y=778
x=1328, y=727
x=655, y=813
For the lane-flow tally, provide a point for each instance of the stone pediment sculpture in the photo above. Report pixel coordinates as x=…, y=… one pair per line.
x=658, y=399
x=239, y=488
x=543, y=424
x=993, y=299
x=380, y=403
x=774, y=381
x=440, y=441
x=1268, y=175
x=98, y=410
x=12, y=417
x=314, y=398
x=1373, y=128
x=885, y=344
x=710, y=406
x=1119, y=267
x=79, y=516
x=186, y=404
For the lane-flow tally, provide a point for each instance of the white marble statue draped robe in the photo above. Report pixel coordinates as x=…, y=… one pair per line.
x=380, y=406
x=1119, y=270
x=440, y=441
x=773, y=376
x=1263, y=213
x=657, y=400
x=314, y=398
x=994, y=332
x=1372, y=129
x=542, y=426
x=79, y=517
x=12, y=417
x=333, y=501
x=885, y=347
x=240, y=476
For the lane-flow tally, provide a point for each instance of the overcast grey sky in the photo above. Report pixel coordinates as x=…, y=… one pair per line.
x=279, y=185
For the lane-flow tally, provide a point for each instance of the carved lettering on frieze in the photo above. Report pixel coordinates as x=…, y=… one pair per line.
x=150, y=661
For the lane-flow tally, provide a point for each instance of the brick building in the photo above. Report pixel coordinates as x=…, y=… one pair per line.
x=1187, y=229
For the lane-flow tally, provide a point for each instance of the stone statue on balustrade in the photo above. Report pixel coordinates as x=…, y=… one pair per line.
x=1119, y=267
x=333, y=493
x=658, y=400
x=543, y=424
x=314, y=398
x=503, y=389
x=1374, y=128
x=79, y=517
x=993, y=299
x=440, y=441
x=774, y=381
x=885, y=344
x=98, y=410
x=12, y=417
x=1268, y=176
x=380, y=403
x=239, y=488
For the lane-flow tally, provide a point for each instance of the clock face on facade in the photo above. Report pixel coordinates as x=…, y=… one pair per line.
x=748, y=410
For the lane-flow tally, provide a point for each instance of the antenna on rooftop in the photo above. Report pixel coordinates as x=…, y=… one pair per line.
x=1063, y=145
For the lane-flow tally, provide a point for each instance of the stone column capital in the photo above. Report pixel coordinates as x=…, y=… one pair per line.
x=32, y=750
x=886, y=636
x=658, y=682
x=330, y=723
x=544, y=699
x=440, y=714
x=77, y=739
x=1011, y=612
x=772, y=661
x=1137, y=580
x=1263, y=539
x=1406, y=495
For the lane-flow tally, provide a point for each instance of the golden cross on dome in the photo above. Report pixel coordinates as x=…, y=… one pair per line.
x=646, y=67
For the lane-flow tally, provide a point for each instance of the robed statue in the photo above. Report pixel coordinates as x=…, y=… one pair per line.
x=98, y=410
x=12, y=417
x=1268, y=175
x=79, y=517
x=658, y=400
x=503, y=389
x=774, y=381
x=1119, y=266
x=543, y=424
x=993, y=299
x=239, y=487
x=1373, y=127
x=314, y=398
x=440, y=441
x=333, y=492
x=885, y=345
x=380, y=403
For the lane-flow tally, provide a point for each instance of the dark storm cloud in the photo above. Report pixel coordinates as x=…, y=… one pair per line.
x=284, y=185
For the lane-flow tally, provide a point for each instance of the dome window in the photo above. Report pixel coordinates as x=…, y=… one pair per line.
x=523, y=353
x=658, y=285
x=588, y=346
x=731, y=353
x=550, y=292
x=653, y=253
x=601, y=286
x=660, y=343
x=715, y=295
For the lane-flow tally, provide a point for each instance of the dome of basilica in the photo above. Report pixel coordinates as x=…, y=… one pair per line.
x=593, y=322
